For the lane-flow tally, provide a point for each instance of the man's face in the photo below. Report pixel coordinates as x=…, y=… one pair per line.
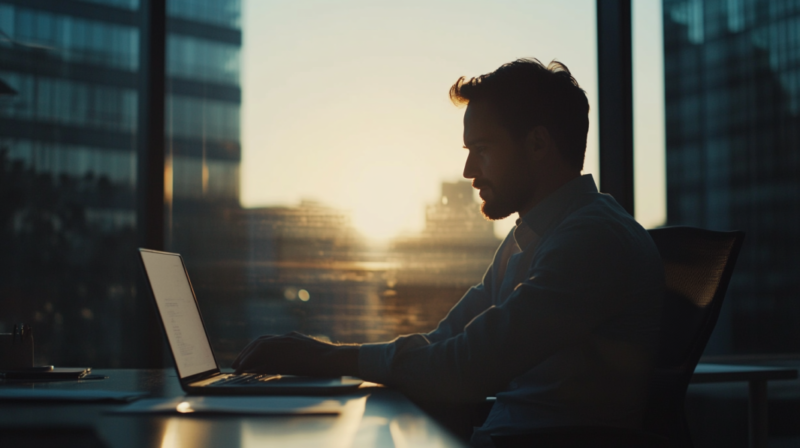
x=497, y=163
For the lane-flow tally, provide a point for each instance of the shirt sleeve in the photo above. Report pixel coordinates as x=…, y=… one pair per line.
x=580, y=278
x=474, y=302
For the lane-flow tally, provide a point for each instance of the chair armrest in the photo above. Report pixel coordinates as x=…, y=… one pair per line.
x=581, y=437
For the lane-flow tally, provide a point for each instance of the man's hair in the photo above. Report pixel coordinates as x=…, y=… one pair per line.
x=527, y=94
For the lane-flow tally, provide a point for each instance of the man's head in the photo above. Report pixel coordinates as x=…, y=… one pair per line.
x=525, y=128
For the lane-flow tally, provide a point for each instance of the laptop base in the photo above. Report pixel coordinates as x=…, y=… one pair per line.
x=286, y=385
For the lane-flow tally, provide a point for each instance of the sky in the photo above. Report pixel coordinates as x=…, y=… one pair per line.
x=346, y=102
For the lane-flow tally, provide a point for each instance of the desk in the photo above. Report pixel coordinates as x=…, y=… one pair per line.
x=757, y=378
x=388, y=420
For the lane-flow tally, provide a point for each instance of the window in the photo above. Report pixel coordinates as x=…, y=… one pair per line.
x=313, y=161
x=74, y=39
x=312, y=171
x=351, y=221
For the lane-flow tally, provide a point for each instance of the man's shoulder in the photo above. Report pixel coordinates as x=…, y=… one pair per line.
x=599, y=215
x=599, y=223
x=602, y=245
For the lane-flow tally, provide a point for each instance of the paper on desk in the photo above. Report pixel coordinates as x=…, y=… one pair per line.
x=235, y=406
x=77, y=395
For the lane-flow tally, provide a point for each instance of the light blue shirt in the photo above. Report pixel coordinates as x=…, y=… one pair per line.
x=562, y=330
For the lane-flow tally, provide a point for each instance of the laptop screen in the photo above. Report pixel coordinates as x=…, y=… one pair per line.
x=179, y=313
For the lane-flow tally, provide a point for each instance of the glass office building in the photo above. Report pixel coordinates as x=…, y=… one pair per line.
x=68, y=141
x=69, y=159
x=732, y=83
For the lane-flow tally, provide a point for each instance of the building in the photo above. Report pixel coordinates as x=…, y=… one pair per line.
x=455, y=247
x=732, y=81
x=204, y=40
x=69, y=147
x=456, y=216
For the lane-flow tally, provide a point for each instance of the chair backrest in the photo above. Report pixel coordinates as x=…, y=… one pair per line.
x=698, y=265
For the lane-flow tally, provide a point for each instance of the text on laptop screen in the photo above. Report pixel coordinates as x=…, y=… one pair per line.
x=179, y=312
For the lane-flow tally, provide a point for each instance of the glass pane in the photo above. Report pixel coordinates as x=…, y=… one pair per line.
x=650, y=192
x=732, y=85
x=68, y=180
x=351, y=220
x=205, y=222
x=226, y=13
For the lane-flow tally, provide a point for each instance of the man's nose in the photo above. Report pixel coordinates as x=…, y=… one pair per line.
x=470, y=167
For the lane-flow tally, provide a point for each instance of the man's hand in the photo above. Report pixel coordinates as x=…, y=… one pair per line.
x=297, y=354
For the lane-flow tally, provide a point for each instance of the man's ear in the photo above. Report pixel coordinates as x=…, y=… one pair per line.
x=538, y=143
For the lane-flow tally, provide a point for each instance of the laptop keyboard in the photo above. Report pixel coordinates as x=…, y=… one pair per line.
x=247, y=378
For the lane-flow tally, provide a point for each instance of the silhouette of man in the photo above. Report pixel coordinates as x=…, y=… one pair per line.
x=563, y=327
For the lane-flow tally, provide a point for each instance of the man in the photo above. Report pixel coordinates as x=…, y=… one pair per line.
x=563, y=327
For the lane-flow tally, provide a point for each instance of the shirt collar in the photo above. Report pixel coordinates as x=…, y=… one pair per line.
x=548, y=212
x=524, y=235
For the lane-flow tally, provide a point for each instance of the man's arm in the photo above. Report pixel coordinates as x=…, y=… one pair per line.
x=477, y=299
x=298, y=354
x=474, y=302
x=579, y=279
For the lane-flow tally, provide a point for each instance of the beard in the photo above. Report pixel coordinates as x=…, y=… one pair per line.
x=509, y=192
x=506, y=198
x=496, y=210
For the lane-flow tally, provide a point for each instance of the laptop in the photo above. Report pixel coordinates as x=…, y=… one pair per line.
x=195, y=362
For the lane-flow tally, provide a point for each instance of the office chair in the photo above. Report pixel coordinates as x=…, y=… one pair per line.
x=698, y=265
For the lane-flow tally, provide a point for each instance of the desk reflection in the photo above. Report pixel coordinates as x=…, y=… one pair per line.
x=414, y=431
x=372, y=417
x=318, y=431
x=352, y=428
